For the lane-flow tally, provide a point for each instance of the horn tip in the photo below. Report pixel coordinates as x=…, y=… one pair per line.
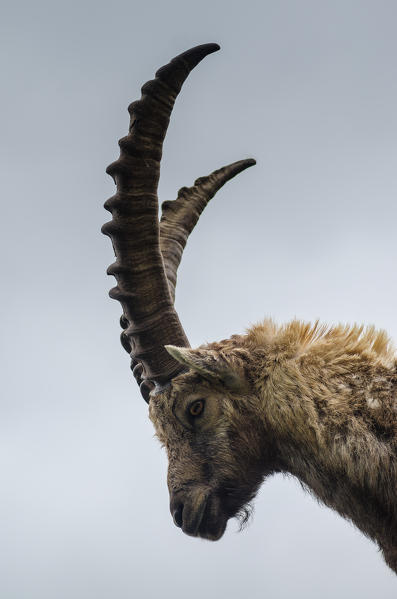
x=215, y=47
x=245, y=163
x=194, y=55
x=170, y=348
x=241, y=165
x=174, y=351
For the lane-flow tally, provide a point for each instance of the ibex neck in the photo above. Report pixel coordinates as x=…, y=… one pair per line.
x=327, y=402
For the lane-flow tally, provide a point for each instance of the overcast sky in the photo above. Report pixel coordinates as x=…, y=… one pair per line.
x=309, y=89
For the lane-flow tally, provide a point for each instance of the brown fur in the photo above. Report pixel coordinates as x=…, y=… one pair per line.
x=319, y=403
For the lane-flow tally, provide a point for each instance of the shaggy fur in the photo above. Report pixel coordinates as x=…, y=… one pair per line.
x=316, y=402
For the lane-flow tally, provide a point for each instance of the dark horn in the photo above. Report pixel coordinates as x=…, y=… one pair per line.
x=142, y=286
x=180, y=216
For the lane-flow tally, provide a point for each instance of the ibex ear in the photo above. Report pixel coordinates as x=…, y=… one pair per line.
x=210, y=364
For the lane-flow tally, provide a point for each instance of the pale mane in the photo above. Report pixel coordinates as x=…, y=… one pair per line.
x=295, y=338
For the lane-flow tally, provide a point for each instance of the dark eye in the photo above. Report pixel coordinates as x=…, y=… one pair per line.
x=196, y=408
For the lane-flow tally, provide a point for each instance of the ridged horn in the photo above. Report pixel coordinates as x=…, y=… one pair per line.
x=142, y=287
x=180, y=216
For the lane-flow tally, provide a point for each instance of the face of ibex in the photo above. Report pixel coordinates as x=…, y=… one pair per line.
x=212, y=446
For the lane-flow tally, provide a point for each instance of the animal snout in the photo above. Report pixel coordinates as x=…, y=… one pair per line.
x=198, y=512
x=177, y=512
x=187, y=509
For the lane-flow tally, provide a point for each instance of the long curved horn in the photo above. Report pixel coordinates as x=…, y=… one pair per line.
x=142, y=286
x=180, y=216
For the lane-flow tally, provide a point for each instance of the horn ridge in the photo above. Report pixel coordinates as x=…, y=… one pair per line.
x=180, y=216
x=142, y=287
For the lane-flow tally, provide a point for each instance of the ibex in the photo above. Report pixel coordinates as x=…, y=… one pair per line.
x=314, y=401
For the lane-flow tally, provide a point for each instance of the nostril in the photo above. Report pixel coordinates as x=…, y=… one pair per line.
x=177, y=515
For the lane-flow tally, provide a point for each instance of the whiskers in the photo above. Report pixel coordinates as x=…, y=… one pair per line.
x=233, y=498
x=244, y=515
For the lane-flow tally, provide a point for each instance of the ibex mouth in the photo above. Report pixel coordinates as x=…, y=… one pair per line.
x=199, y=514
x=213, y=522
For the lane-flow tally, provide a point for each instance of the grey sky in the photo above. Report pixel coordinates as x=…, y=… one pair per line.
x=307, y=88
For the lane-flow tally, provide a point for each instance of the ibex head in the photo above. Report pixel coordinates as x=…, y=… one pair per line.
x=215, y=444
x=193, y=395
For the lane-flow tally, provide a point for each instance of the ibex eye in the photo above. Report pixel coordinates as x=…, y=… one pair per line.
x=196, y=408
